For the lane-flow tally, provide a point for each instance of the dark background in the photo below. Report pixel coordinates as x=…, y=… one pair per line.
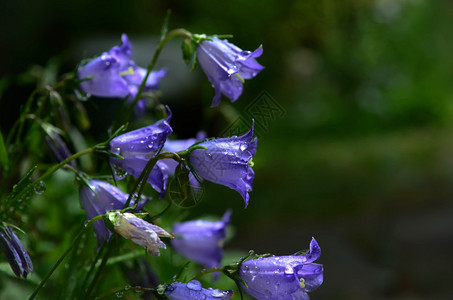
x=357, y=152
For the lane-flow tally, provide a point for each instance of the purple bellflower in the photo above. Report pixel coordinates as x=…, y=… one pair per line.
x=226, y=67
x=283, y=277
x=138, y=147
x=58, y=147
x=194, y=291
x=101, y=198
x=227, y=161
x=15, y=253
x=140, y=232
x=201, y=241
x=115, y=75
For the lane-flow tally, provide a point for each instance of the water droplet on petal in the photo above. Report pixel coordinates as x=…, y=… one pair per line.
x=289, y=270
x=194, y=285
x=243, y=147
x=217, y=293
x=39, y=187
x=119, y=173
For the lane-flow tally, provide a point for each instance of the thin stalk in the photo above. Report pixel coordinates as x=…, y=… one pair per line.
x=208, y=271
x=60, y=260
x=100, y=268
x=174, y=33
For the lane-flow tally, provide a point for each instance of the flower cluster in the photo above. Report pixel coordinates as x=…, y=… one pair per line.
x=147, y=156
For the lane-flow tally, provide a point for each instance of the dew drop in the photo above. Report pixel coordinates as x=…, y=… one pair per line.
x=119, y=173
x=289, y=270
x=194, y=285
x=217, y=293
x=39, y=187
x=117, y=150
x=243, y=147
x=119, y=294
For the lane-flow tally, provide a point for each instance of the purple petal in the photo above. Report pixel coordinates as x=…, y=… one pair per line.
x=102, y=78
x=194, y=291
x=201, y=240
x=142, y=143
x=226, y=162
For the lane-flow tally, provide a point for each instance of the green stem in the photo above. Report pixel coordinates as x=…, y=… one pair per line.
x=145, y=174
x=93, y=266
x=100, y=268
x=174, y=33
x=208, y=271
x=60, y=260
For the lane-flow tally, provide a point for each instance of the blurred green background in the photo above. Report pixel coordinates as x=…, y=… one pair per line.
x=358, y=156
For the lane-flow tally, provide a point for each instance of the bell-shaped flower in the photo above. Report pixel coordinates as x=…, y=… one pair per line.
x=140, y=232
x=193, y=290
x=227, y=161
x=100, y=198
x=283, y=277
x=57, y=146
x=138, y=147
x=226, y=66
x=115, y=75
x=201, y=241
x=15, y=253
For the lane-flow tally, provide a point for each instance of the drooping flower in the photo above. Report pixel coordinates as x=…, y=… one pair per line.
x=101, y=198
x=283, y=277
x=226, y=66
x=201, y=241
x=115, y=75
x=15, y=253
x=57, y=146
x=227, y=161
x=194, y=291
x=140, y=232
x=138, y=147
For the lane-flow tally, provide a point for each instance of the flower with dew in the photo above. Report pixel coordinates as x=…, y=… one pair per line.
x=227, y=161
x=193, y=290
x=283, y=277
x=101, y=197
x=201, y=241
x=137, y=147
x=15, y=253
x=140, y=232
x=226, y=66
x=115, y=75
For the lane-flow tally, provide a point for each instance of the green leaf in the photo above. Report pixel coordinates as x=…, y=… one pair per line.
x=187, y=51
x=164, y=29
x=4, y=161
